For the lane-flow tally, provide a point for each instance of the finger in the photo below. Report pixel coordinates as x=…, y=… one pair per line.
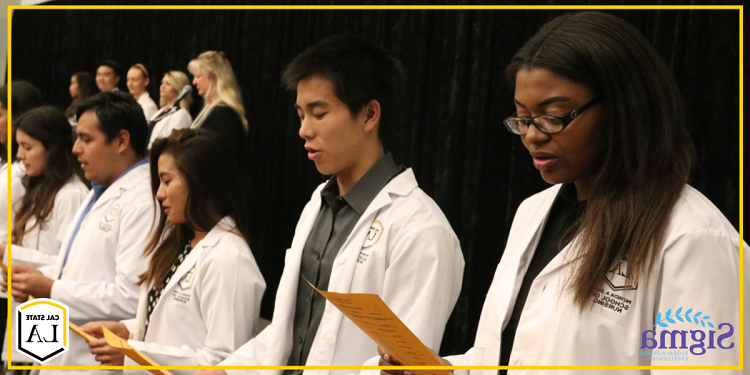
x=107, y=358
x=94, y=329
x=20, y=295
x=98, y=343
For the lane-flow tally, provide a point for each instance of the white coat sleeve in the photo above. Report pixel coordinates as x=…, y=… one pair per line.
x=251, y=353
x=230, y=292
x=117, y=299
x=422, y=282
x=700, y=271
x=32, y=257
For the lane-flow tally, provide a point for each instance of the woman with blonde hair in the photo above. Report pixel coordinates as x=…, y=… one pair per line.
x=171, y=115
x=138, y=80
x=223, y=111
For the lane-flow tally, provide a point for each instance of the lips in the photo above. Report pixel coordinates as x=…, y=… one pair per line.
x=543, y=160
x=312, y=153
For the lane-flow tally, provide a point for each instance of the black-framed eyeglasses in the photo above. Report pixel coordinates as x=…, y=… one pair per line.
x=549, y=124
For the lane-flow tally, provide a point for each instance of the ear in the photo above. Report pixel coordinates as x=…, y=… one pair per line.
x=372, y=115
x=123, y=141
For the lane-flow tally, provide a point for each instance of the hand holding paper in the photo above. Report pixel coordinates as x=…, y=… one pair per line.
x=131, y=352
x=373, y=316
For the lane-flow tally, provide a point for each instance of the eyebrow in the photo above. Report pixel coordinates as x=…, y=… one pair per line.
x=313, y=104
x=546, y=102
x=161, y=174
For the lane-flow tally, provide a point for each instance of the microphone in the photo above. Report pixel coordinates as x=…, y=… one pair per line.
x=185, y=92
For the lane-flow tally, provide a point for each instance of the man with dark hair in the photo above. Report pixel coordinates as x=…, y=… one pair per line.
x=369, y=229
x=108, y=75
x=100, y=259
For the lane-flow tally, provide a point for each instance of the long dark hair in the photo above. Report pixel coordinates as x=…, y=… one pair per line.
x=214, y=191
x=648, y=154
x=49, y=126
x=25, y=97
x=86, y=88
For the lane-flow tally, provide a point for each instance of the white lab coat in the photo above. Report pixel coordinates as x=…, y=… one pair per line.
x=179, y=120
x=17, y=172
x=41, y=244
x=696, y=267
x=209, y=308
x=105, y=261
x=147, y=104
x=413, y=261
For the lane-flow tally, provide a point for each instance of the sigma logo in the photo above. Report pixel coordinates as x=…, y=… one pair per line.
x=42, y=330
x=698, y=341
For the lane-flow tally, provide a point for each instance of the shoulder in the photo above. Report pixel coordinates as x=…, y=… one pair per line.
x=136, y=188
x=693, y=214
x=224, y=112
x=228, y=249
x=73, y=189
x=414, y=210
x=182, y=113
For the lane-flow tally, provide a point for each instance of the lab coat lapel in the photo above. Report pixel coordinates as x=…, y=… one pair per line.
x=341, y=280
x=518, y=253
x=124, y=183
x=208, y=242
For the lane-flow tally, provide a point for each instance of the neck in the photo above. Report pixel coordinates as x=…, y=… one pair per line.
x=347, y=178
x=198, y=236
x=583, y=187
x=119, y=167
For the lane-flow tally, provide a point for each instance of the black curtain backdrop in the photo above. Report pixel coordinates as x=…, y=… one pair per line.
x=451, y=130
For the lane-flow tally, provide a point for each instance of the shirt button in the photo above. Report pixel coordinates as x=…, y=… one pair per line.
x=342, y=260
x=330, y=339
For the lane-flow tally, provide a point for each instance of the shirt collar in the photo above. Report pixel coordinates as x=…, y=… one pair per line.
x=364, y=190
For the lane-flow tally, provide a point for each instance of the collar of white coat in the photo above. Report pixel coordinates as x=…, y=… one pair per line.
x=224, y=226
x=126, y=182
x=401, y=185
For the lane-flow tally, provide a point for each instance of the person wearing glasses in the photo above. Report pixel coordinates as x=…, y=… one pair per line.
x=620, y=261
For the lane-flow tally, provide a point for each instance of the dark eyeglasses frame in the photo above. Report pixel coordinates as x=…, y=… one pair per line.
x=565, y=119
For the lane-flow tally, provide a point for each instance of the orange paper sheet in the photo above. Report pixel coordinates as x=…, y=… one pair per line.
x=131, y=352
x=373, y=316
x=77, y=331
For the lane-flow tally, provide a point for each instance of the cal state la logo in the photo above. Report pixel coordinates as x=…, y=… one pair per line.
x=42, y=330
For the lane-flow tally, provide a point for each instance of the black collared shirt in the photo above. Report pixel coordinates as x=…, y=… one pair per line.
x=557, y=233
x=337, y=217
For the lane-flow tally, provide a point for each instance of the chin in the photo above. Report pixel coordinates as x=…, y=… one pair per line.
x=553, y=179
x=325, y=170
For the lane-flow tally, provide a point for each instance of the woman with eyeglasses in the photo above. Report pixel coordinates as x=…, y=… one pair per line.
x=620, y=258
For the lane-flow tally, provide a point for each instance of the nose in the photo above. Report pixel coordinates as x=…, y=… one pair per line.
x=20, y=154
x=77, y=148
x=534, y=135
x=305, y=129
x=161, y=194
